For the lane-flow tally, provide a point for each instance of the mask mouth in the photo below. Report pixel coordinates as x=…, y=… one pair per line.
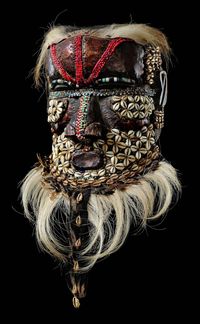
x=87, y=160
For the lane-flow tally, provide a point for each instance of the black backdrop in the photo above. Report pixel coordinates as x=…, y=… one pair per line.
x=151, y=276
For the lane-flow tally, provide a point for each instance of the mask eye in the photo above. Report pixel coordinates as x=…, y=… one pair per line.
x=60, y=85
x=114, y=82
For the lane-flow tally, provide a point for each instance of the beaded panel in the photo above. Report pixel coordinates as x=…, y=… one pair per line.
x=126, y=154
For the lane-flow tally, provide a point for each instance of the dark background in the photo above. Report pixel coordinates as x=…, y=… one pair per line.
x=152, y=277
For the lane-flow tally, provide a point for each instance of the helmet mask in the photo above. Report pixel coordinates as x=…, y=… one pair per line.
x=106, y=99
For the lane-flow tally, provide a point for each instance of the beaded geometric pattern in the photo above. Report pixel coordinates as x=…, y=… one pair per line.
x=126, y=154
x=153, y=63
x=133, y=107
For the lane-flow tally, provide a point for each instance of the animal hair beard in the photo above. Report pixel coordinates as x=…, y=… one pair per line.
x=109, y=216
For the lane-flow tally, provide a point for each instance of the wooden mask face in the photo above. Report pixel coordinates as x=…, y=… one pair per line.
x=101, y=110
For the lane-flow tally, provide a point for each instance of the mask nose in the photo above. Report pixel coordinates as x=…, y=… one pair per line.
x=88, y=119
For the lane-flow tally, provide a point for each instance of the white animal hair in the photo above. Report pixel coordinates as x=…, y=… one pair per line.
x=109, y=216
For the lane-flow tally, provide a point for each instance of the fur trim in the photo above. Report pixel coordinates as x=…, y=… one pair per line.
x=110, y=217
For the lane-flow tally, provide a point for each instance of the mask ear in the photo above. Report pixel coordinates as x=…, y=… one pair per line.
x=152, y=65
x=156, y=78
x=159, y=112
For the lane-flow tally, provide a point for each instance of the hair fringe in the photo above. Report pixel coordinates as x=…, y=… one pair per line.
x=110, y=217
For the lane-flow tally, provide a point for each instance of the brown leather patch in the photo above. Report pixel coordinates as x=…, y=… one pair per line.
x=125, y=61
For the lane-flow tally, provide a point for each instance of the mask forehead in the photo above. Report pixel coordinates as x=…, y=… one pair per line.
x=83, y=59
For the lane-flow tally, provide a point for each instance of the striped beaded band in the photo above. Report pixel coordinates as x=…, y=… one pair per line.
x=81, y=117
x=63, y=83
x=146, y=90
x=115, y=79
